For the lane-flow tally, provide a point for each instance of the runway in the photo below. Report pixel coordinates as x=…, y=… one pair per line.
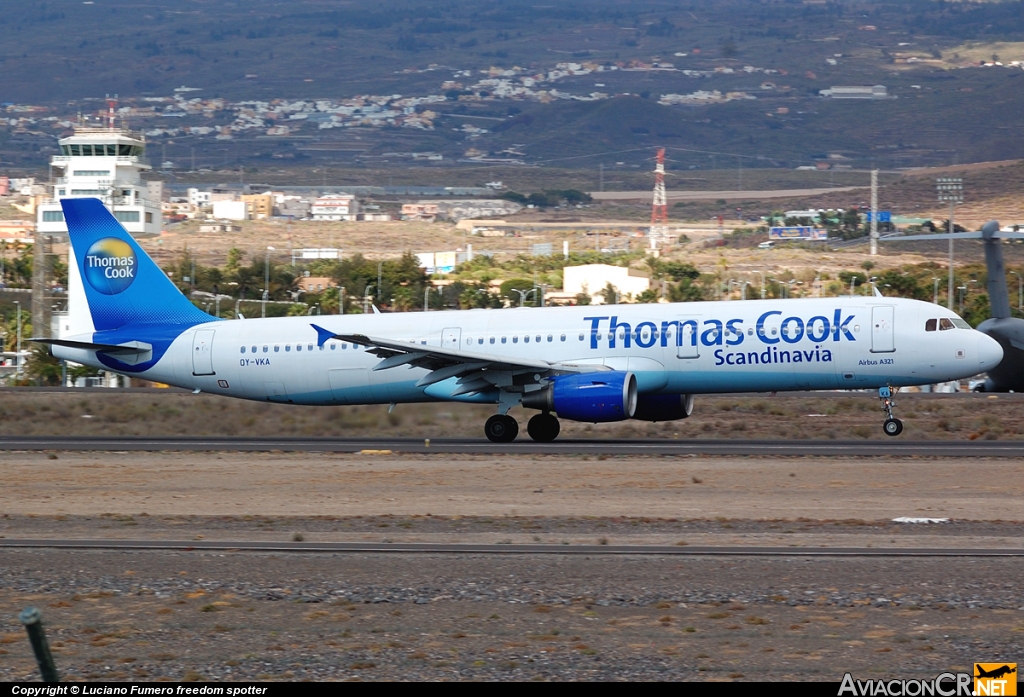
x=501, y=549
x=888, y=448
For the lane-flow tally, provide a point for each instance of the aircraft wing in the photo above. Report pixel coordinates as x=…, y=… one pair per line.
x=475, y=371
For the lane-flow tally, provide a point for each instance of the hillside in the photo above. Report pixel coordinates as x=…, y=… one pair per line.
x=584, y=85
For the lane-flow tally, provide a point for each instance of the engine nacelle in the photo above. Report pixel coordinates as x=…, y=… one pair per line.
x=663, y=407
x=594, y=397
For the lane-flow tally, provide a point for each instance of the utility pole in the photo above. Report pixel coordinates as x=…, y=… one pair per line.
x=17, y=359
x=874, y=212
x=40, y=286
x=951, y=191
x=266, y=281
x=659, y=206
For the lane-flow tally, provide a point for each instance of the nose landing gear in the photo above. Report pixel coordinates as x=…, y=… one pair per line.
x=892, y=425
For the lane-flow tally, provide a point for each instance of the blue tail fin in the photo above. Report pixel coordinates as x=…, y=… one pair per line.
x=122, y=285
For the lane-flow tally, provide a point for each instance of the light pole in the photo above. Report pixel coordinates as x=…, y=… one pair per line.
x=17, y=357
x=522, y=294
x=266, y=281
x=366, y=298
x=426, y=298
x=935, y=291
x=1020, y=290
x=380, y=265
x=951, y=191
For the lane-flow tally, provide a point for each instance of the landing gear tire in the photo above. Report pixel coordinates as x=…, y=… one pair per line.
x=892, y=427
x=501, y=428
x=543, y=428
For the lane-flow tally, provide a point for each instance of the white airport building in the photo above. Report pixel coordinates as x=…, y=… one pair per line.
x=104, y=163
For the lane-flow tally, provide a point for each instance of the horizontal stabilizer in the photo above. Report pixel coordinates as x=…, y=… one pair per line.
x=129, y=347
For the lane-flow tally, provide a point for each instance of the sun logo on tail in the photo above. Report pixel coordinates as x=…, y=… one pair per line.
x=110, y=265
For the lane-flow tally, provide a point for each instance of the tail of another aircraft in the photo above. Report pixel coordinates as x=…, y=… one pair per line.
x=998, y=298
x=112, y=283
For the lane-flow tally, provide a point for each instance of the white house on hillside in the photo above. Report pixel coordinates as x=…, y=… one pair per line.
x=335, y=207
x=594, y=278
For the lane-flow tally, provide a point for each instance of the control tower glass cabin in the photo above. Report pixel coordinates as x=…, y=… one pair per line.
x=105, y=163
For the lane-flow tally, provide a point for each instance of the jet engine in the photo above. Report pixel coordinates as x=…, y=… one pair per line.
x=594, y=397
x=663, y=407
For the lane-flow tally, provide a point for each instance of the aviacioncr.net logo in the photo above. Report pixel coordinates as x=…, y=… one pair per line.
x=110, y=265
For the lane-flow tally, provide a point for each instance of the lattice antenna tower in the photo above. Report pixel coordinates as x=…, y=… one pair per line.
x=659, y=206
x=111, y=106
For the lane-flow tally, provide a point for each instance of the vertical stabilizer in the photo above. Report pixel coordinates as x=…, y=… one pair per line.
x=78, y=320
x=998, y=298
x=120, y=285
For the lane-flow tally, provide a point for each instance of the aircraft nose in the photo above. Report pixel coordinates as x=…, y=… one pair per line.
x=990, y=353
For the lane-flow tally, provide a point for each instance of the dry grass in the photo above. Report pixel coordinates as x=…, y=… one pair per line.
x=28, y=412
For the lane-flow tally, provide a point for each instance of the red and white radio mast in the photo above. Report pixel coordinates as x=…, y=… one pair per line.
x=111, y=104
x=659, y=206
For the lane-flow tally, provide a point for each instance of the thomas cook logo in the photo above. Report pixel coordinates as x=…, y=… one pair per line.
x=110, y=265
x=995, y=679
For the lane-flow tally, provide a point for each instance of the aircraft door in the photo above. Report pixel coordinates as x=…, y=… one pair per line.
x=687, y=342
x=450, y=338
x=882, y=340
x=202, y=352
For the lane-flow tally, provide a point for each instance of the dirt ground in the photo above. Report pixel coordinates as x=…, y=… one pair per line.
x=203, y=616
x=325, y=484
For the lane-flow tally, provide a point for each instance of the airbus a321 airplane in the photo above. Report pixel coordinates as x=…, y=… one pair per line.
x=589, y=363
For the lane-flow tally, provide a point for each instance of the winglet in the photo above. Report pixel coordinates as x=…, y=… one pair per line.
x=322, y=335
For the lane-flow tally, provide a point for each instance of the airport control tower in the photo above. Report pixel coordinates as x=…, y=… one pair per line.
x=105, y=163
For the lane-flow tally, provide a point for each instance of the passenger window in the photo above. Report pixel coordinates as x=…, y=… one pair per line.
x=581, y=337
x=526, y=340
x=265, y=349
x=288, y=347
x=930, y=325
x=563, y=337
x=503, y=340
x=492, y=339
x=254, y=349
x=945, y=324
x=309, y=347
x=480, y=340
x=515, y=340
x=277, y=349
x=333, y=346
x=298, y=347
x=243, y=349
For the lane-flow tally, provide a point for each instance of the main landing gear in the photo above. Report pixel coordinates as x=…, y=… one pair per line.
x=892, y=425
x=543, y=427
x=502, y=428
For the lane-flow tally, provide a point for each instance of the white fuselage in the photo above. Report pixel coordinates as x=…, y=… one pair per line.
x=764, y=345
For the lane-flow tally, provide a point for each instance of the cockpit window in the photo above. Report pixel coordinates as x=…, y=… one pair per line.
x=960, y=324
x=945, y=324
x=930, y=325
